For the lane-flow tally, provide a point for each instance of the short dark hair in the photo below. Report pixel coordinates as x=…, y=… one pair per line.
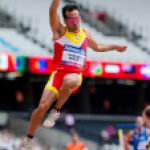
x=147, y=112
x=69, y=7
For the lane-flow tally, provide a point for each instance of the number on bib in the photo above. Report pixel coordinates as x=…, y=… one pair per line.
x=73, y=56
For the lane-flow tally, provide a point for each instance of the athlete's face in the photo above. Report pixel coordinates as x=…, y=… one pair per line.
x=146, y=120
x=139, y=121
x=73, y=20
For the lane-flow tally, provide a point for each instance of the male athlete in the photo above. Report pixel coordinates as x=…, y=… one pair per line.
x=70, y=44
x=138, y=137
x=146, y=116
x=146, y=119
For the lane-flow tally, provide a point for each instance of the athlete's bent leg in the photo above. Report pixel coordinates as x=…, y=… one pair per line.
x=69, y=82
x=47, y=99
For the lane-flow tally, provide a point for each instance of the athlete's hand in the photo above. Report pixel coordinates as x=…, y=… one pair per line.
x=120, y=48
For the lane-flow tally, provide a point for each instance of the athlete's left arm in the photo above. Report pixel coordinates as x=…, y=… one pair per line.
x=148, y=142
x=104, y=47
x=148, y=132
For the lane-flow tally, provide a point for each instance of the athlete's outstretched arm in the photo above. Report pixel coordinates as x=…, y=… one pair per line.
x=127, y=138
x=54, y=17
x=148, y=141
x=104, y=47
x=148, y=132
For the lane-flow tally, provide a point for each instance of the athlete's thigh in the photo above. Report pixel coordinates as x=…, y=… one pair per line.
x=50, y=92
x=54, y=83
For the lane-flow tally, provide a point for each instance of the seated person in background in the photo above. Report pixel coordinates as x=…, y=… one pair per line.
x=75, y=143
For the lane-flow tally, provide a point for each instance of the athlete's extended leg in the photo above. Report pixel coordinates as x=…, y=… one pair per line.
x=69, y=82
x=47, y=99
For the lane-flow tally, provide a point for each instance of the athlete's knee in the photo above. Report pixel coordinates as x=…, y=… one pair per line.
x=41, y=109
x=48, y=97
x=70, y=81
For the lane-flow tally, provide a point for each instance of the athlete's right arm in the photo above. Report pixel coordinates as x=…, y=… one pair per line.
x=54, y=17
x=128, y=138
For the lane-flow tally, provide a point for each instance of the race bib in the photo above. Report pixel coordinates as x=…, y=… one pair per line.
x=73, y=56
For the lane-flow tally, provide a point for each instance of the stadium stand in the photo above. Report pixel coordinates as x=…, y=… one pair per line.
x=89, y=127
x=10, y=141
x=92, y=126
x=37, y=20
x=13, y=42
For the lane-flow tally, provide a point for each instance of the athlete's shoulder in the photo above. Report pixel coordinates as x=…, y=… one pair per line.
x=130, y=135
x=86, y=32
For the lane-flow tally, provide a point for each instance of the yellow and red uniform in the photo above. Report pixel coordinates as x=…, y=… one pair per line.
x=69, y=57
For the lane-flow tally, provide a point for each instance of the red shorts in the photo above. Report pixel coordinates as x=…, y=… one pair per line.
x=55, y=81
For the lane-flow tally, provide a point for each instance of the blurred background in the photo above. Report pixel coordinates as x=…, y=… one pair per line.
x=115, y=86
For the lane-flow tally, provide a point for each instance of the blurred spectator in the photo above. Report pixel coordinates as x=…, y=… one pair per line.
x=101, y=16
x=69, y=120
x=92, y=90
x=107, y=109
x=19, y=96
x=75, y=144
x=19, y=104
x=107, y=133
x=104, y=135
x=111, y=130
x=8, y=141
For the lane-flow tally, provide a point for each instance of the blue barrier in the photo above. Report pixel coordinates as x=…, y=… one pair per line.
x=127, y=126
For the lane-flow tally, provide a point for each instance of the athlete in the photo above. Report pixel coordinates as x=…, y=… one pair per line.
x=146, y=116
x=146, y=119
x=70, y=44
x=138, y=137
